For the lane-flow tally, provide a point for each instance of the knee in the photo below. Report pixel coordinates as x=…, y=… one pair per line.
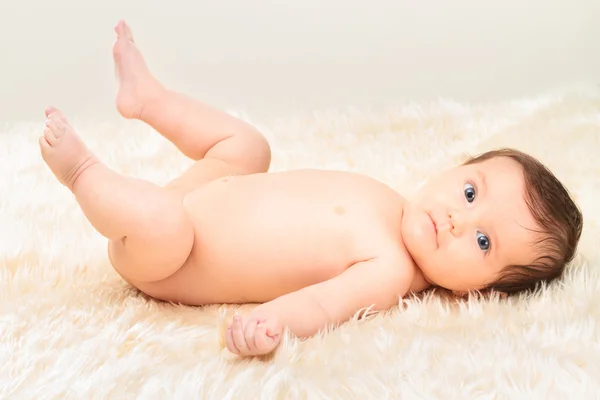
x=262, y=154
x=254, y=152
x=248, y=151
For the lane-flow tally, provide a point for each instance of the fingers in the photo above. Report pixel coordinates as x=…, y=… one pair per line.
x=273, y=328
x=249, y=333
x=229, y=342
x=239, y=339
x=251, y=337
x=265, y=343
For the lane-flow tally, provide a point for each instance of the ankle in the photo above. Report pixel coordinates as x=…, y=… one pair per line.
x=153, y=101
x=73, y=177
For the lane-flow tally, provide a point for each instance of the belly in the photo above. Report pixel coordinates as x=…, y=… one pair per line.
x=260, y=236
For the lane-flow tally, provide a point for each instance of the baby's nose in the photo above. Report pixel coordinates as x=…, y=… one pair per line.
x=448, y=226
x=455, y=222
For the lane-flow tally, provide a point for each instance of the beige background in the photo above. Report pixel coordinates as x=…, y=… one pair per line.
x=274, y=58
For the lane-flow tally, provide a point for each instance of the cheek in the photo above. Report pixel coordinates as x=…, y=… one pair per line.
x=445, y=195
x=459, y=252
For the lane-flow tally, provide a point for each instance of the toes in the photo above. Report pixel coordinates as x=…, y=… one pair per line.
x=123, y=31
x=44, y=145
x=128, y=32
x=119, y=28
x=56, y=113
x=50, y=137
x=49, y=110
x=56, y=125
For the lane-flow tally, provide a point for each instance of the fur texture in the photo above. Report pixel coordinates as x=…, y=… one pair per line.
x=71, y=328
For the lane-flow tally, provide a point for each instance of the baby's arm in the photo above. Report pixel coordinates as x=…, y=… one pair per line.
x=378, y=282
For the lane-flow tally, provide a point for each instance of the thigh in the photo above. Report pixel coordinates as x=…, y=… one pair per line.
x=160, y=242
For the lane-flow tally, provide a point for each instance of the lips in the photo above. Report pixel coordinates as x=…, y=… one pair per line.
x=435, y=229
x=434, y=224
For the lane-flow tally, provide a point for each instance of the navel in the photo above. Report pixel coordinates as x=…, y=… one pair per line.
x=339, y=210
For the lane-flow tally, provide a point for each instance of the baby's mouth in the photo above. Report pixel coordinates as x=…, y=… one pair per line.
x=435, y=229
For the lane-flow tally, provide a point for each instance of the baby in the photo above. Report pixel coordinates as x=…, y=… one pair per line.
x=312, y=247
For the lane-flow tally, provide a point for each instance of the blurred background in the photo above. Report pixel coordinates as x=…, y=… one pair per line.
x=275, y=58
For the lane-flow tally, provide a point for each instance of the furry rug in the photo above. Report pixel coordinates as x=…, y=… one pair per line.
x=71, y=329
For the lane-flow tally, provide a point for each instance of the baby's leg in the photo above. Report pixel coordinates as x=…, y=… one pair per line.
x=222, y=144
x=154, y=234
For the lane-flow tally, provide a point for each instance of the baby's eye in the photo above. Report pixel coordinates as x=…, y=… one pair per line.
x=469, y=192
x=483, y=242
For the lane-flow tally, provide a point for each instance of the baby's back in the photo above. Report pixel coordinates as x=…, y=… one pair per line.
x=260, y=236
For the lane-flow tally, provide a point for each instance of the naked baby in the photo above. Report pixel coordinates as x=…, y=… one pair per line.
x=312, y=247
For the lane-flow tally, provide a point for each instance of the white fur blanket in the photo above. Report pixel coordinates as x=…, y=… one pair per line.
x=70, y=328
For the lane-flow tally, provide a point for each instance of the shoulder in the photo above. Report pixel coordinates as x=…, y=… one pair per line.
x=397, y=270
x=393, y=270
x=385, y=201
x=400, y=265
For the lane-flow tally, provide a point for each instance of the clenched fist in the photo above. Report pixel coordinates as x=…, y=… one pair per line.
x=253, y=335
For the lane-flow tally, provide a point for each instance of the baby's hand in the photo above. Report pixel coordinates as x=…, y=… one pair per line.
x=253, y=336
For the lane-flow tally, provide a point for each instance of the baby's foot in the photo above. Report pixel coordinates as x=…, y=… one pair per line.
x=137, y=86
x=62, y=149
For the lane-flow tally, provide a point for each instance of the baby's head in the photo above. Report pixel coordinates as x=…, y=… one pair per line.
x=500, y=221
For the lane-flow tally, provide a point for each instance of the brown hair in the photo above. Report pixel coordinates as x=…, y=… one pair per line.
x=558, y=216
